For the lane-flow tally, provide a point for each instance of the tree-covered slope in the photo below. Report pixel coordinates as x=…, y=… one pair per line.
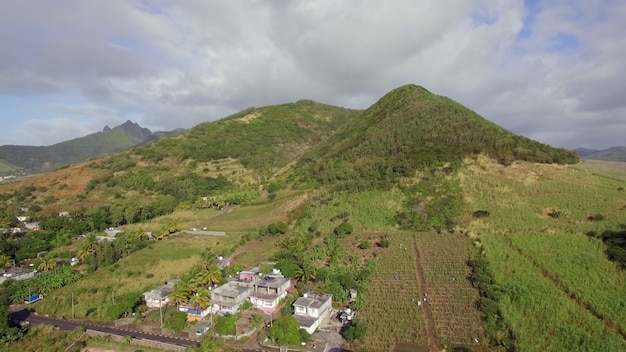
x=263, y=139
x=409, y=129
x=110, y=140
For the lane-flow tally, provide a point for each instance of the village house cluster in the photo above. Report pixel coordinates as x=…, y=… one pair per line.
x=264, y=291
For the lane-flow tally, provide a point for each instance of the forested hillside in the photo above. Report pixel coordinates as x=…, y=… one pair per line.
x=44, y=158
x=411, y=129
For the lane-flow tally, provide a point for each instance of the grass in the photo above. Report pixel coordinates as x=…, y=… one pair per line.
x=612, y=168
x=558, y=289
x=367, y=211
x=137, y=273
x=102, y=344
x=44, y=338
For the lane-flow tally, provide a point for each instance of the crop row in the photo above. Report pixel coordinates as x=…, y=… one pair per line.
x=451, y=297
x=390, y=305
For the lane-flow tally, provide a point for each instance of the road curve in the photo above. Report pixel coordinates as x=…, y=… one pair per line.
x=26, y=316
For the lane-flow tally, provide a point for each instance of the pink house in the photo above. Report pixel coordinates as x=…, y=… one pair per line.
x=247, y=276
x=268, y=292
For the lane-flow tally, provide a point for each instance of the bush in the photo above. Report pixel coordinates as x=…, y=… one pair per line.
x=595, y=217
x=480, y=214
x=365, y=245
x=356, y=330
x=343, y=230
x=177, y=321
x=384, y=243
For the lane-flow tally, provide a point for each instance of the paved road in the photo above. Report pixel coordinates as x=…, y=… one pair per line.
x=26, y=316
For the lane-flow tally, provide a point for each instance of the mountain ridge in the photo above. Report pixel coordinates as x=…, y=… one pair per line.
x=46, y=158
x=617, y=153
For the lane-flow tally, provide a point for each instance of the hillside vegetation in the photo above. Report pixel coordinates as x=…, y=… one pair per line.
x=411, y=129
x=541, y=233
x=415, y=195
x=44, y=158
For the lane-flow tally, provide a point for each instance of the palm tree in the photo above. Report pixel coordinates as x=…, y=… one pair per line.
x=308, y=271
x=6, y=261
x=90, y=246
x=200, y=299
x=180, y=295
x=212, y=274
x=47, y=263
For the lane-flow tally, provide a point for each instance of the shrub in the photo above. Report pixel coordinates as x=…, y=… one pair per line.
x=480, y=214
x=177, y=321
x=384, y=243
x=365, y=245
x=595, y=217
x=356, y=330
x=343, y=230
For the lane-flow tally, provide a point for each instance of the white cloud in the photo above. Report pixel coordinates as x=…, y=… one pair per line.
x=553, y=71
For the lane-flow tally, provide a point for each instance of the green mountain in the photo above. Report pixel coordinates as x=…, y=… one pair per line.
x=411, y=129
x=262, y=139
x=110, y=140
x=610, y=154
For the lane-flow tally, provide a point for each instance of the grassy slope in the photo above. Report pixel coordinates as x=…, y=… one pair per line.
x=559, y=289
x=164, y=260
x=5, y=167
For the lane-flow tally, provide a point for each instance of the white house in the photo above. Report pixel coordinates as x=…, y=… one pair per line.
x=160, y=296
x=22, y=218
x=311, y=309
x=16, y=273
x=268, y=292
x=227, y=299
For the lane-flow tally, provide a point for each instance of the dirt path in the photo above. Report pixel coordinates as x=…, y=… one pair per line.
x=433, y=339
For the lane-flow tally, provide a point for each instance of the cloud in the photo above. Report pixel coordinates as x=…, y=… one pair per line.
x=548, y=70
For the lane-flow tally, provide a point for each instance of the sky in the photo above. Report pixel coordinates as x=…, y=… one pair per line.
x=551, y=70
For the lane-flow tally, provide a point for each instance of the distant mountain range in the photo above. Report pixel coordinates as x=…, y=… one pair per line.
x=109, y=140
x=610, y=154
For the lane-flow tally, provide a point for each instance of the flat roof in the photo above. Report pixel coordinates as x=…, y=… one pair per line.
x=272, y=282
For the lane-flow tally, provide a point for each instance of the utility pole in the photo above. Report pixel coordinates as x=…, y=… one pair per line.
x=161, y=313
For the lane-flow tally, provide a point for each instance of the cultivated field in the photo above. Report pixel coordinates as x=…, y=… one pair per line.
x=390, y=305
x=450, y=294
x=558, y=289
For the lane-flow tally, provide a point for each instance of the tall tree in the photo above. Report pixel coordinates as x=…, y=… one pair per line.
x=181, y=294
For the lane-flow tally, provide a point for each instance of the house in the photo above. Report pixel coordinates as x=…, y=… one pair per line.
x=16, y=273
x=311, y=309
x=227, y=298
x=64, y=213
x=22, y=218
x=24, y=209
x=194, y=313
x=222, y=262
x=248, y=275
x=112, y=231
x=34, y=226
x=268, y=292
x=160, y=296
